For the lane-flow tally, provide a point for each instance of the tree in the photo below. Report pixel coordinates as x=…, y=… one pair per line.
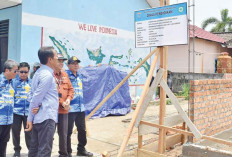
x=225, y=25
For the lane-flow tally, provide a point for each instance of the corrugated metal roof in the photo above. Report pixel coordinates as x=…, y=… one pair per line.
x=227, y=36
x=203, y=34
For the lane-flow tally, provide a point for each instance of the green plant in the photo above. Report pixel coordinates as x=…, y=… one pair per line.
x=185, y=91
x=221, y=25
x=168, y=102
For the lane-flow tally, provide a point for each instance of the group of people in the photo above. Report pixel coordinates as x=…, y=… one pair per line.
x=52, y=99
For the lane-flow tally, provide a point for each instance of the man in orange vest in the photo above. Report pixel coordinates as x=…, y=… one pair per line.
x=65, y=92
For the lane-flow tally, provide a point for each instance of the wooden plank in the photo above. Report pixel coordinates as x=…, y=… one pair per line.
x=140, y=141
x=217, y=140
x=162, y=111
x=146, y=153
x=187, y=133
x=168, y=121
x=138, y=107
x=173, y=140
x=170, y=142
x=121, y=83
x=168, y=128
x=149, y=96
x=189, y=123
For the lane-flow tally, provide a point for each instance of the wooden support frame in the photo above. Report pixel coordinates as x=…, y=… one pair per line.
x=173, y=98
x=138, y=107
x=149, y=95
x=170, y=142
x=187, y=133
x=168, y=121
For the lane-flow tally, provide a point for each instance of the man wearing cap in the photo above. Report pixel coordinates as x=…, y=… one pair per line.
x=77, y=109
x=36, y=66
x=65, y=92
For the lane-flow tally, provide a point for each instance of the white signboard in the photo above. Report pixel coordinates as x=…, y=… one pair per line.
x=161, y=26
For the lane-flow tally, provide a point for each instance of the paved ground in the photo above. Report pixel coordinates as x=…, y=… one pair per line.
x=106, y=134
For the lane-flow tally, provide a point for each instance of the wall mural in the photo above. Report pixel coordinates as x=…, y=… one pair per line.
x=94, y=48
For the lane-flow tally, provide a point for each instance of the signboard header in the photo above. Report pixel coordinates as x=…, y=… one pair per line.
x=161, y=26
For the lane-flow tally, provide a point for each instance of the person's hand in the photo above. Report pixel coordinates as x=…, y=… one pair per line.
x=29, y=126
x=66, y=104
x=67, y=107
x=35, y=110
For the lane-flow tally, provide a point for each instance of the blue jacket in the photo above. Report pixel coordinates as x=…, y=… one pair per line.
x=21, y=105
x=77, y=102
x=6, y=101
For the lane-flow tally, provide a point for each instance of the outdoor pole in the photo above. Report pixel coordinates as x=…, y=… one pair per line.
x=194, y=70
x=138, y=107
x=162, y=110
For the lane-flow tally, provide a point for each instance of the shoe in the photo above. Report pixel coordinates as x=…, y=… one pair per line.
x=16, y=154
x=84, y=153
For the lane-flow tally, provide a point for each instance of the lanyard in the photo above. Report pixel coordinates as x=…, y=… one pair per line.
x=58, y=82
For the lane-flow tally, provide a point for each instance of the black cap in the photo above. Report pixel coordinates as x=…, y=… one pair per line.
x=73, y=59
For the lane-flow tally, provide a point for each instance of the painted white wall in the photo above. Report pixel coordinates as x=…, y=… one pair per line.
x=205, y=54
x=178, y=58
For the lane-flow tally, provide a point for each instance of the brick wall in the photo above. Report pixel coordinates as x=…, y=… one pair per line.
x=211, y=105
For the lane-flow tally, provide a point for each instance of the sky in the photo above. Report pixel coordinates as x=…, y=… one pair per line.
x=207, y=8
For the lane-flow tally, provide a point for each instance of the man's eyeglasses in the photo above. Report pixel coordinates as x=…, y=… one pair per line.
x=15, y=71
x=25, y=72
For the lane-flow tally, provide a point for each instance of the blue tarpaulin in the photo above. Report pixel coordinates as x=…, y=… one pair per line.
x=98, y=82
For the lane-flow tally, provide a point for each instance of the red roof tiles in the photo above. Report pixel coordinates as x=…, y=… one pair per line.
x=201, y=33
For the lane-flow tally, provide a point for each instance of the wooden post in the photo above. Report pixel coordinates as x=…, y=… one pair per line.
x=138, y=107
x=183, y=137
x=120, y=84
x=140, y=141
x=162, y=111
x=162, y=133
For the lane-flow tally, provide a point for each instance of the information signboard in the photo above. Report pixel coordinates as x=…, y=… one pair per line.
x=162, y=26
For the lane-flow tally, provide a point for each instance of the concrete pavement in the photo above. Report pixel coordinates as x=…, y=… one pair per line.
x=105, y=134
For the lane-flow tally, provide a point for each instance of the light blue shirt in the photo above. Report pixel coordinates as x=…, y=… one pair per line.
x=43, y=94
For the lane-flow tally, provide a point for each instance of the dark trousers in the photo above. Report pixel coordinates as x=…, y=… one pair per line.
x=79, y=119
x=62, y=128
x=16, y=129
x=4, y=138
x=42, y=139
